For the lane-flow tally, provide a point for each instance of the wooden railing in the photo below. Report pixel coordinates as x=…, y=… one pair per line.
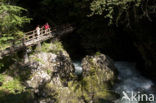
x=31, y=38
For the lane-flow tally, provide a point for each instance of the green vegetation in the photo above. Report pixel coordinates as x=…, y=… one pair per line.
x=12, y=86
x=54, y=47
x=98, y=53
x=10, y=22
x=117, y=10
x=92, y=87
x=46, y=47
x=130, y=30
x=2, y=78
x=122, y=29
x=12, y=91
x=38, y=60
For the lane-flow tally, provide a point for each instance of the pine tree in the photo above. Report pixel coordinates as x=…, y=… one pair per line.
x=10, y=22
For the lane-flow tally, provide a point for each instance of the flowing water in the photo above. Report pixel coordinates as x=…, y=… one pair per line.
x=130, y=81
x=78, y=68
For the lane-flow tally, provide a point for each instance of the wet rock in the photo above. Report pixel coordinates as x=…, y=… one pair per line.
x=99, y=75
x=101, y=63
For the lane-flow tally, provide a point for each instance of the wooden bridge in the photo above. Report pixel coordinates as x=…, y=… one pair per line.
x=31, y=38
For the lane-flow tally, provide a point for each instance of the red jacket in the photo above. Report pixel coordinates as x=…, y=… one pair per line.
x=46, y=26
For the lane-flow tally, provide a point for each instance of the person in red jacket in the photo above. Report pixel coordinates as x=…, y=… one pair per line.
x=46, y=27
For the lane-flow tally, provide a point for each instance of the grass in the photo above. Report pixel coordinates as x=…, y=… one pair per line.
x=55, y=47
x=12, y=86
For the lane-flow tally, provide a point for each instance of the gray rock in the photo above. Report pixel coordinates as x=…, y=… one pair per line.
x=99, y=62
x=99, y=75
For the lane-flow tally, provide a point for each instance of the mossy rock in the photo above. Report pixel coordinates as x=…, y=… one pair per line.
x=99, y=76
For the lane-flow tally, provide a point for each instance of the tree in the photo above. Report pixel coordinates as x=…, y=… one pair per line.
x=123, y=11
x=10, y=22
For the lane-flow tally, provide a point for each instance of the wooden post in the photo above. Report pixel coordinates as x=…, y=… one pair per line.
x=34, y=36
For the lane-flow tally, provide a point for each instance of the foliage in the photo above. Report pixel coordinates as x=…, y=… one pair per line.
x=46, y=47
x=9, y=84
x=59, y=45
x=10, y=22
x=122, y=10
x=12, y=91
x=2, y=78
x=98, y=53
x=54, y=47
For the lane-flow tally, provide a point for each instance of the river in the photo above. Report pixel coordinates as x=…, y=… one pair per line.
x=130, y=81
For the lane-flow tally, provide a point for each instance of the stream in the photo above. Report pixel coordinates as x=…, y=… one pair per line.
x=130, y=81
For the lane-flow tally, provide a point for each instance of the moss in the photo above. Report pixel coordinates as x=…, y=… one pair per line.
x=49, y=71
x=54, y=47
x=12, y=86
x=38, y=60
x=58, y=45
x=2, y=78
x=93, y=86
x=98, y=53
x=46, y=47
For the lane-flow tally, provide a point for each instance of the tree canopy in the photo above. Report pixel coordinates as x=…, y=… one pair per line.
x=123, y=10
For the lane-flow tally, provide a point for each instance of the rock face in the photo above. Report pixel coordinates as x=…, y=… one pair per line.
x=99, y=75
x=45, y=65
x=101, y=62
x=53, y=79
x=49, y=77
x=50, y=73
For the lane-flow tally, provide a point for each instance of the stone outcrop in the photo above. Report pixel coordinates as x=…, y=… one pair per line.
x=49, y=77
x=53, y=79
x=45, y=65
x=49, y=71
x=99, y=62
x=99, y=75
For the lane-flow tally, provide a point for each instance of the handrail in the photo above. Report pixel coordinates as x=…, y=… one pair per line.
x=31, y=38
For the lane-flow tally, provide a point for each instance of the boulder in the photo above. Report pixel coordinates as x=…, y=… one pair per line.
x=45, y=65
x=98, y=77
x=102, y=63
x=50, y=73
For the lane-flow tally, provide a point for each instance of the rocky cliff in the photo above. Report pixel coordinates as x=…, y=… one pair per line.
x=49, y=77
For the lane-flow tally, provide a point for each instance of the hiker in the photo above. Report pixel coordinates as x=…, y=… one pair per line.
x=46, y=27
x=38, y=31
